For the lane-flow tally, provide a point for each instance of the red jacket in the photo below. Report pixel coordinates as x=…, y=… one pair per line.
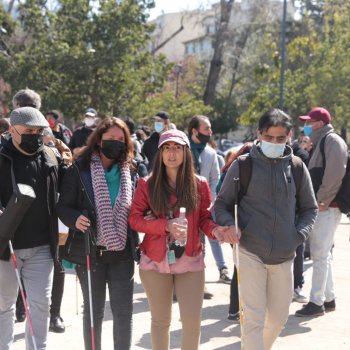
x=154, y=242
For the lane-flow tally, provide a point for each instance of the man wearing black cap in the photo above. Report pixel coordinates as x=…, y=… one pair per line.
x=326, y=175
x=81, y=134
x=150, y=146
x=35, y=240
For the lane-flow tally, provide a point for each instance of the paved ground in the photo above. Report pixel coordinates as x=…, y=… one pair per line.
x=330, y=332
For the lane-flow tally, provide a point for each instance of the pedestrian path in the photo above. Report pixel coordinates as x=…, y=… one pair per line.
x=329, y=332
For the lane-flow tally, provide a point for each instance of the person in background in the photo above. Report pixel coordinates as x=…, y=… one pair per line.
x=4, y=126
x=165, y=266
x=26, y=98
x=326, y=175
x=59, y=130
x=56, y=322
x=305, y=143
x=95, y=200
x=150, y=146
x=81, y=134
x=269, y=230
x=207, y=165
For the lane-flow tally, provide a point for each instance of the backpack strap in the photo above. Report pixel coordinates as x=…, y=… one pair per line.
x=322, y=143
x=245, y=173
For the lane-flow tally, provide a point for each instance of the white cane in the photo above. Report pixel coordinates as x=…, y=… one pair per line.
x=237, y=263
x=14, y=260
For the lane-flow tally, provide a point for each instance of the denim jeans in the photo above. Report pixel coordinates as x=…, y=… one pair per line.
x=321, y=242
x=120, y=279
x=35, y=266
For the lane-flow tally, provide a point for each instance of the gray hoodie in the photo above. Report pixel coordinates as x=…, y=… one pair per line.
x=267, y=212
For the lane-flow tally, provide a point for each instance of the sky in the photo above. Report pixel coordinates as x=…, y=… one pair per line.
x=169, y=6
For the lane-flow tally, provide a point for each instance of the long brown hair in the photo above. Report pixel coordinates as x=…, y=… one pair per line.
x=159, y=190
x=96, y=137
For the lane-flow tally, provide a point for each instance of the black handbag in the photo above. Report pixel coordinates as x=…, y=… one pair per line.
x=12, y=216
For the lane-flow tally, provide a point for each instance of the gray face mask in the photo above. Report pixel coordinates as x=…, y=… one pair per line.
x=272, y=150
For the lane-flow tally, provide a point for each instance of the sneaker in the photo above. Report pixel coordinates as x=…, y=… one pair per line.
x=207, y=295
x=224, y=277
x=310, y=310
x=234, y=317
x=299, y=296
x=329, y=305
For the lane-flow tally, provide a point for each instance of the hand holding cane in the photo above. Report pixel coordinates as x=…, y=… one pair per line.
x=236, y=180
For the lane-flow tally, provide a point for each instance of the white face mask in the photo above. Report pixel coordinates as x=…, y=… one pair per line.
x=158, y=126
x=272, y=150
x=89, y=122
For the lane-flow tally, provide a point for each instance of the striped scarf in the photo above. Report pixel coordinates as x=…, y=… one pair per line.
x=112, y=223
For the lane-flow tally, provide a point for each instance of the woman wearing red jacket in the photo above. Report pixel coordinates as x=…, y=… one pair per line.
x=164, y=265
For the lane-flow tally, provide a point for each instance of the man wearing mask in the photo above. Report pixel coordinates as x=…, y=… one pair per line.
x=59, y=130
x=35, y=240
x=269, y=230
x=326, y=175
x=206, y=164
x=81, y=134
x=150, y=146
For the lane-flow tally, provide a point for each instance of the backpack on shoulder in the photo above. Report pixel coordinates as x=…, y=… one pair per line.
x=343, y=196
x=245, y=173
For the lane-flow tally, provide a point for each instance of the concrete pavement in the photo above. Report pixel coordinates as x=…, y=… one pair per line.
x=329, y=332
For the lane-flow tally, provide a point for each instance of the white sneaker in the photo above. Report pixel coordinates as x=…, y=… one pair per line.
x=299, y=296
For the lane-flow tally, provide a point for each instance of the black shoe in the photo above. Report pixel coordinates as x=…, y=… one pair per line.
x=310, y=310
x=20, y=317
x=223, y=276
x=329, y=305
x=207, y=295
x=57, y=325
x=234, y=317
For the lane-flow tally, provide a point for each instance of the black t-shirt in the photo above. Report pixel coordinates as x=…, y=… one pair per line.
x=34, y=229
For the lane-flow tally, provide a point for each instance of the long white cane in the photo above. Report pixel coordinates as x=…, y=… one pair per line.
x=14, y=260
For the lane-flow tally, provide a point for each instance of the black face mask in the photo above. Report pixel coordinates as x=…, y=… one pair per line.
x=203, y=138
x=31, y=143
x=113, y=149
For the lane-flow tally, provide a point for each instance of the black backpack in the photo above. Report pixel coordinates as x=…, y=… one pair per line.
x=343, y=196
x=245, y=174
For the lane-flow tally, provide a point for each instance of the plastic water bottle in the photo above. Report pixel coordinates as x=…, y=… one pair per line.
x=182, y=220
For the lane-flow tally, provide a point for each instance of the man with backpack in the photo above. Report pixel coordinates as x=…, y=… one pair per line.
x=269, y=190
x=327, y=168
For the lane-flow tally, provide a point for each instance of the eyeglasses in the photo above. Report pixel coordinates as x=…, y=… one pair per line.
x=37, y=131
x=175, y=149
x=311, y=121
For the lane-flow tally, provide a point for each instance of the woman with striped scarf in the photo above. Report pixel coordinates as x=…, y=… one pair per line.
x=95, y=199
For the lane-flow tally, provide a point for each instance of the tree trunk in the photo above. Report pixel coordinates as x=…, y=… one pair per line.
x=216, y=62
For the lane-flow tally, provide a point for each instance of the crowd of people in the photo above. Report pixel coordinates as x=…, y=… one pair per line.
x=109, y=180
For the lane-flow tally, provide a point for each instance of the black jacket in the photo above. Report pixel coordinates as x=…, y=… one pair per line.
x=52, y=176
x=77, y=198
x=150, y=148
x=79, y=137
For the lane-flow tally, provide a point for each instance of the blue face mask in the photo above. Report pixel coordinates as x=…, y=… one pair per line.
x=272, y=150
x=308, y=130
x=158, y=126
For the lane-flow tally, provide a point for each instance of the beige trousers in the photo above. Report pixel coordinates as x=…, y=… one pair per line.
x=189, y=288
x=266, y=293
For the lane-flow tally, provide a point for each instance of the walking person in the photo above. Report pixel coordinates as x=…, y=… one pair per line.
x=269, y=230
x=95, y=199
x=326, y=174
x=164, y=266
x=36, y=238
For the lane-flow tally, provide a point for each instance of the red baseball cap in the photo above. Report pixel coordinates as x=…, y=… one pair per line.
x=174, y=135
x=317, y=113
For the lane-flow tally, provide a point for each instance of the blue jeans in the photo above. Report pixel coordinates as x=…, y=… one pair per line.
x=35, y=266
x=321, y=242
x=120, y=279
